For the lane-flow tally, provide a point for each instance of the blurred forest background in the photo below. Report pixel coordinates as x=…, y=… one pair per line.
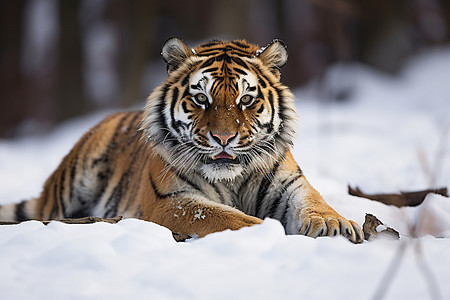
x=62, y=59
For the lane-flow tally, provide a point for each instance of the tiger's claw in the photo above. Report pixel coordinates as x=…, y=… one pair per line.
x=316, y=225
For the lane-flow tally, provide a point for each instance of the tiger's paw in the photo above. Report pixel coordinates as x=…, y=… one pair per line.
x=330, y=223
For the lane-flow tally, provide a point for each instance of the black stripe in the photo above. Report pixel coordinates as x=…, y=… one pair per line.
x=103, y=178
x=160, y=109
x=261, y=109
x=284, y=216
x=140, y=171
x=111, y=144
x=138, y=212
x=237, y=50
x=210, y=44
x=242, y=72
x=240, y=62
x=184, y=106
x=137, y=115
x=262, y=79
x=161, y=195
x=245, y=182
x=277, y=201
x=72, y=175
x=282, y=110
x=105, y=172
x=112, y=205
x=185, y=179
x=132, y=195
x=114, y=200
x=216, y=85
x=186, y=93
x=19, y=213
x=210, y=70
x=103, y=158
x=54, y=212
x=175, y=93
x=223, y=57
x=239, y=44
x=233, y=88
x=262, y=82
x=210, y=52
x=224, y=53
x=61, y=192
x=119, y=126
x=218, y=46
x=207, y=62
x=247, y=143
x=252, y=106
x=195, y=186
x=216, y=189
x=242, y=53
x=196, y=86
x=262, y=192
x=272, y=105
x=45, y=195
x=185, y=80
x=117, y=195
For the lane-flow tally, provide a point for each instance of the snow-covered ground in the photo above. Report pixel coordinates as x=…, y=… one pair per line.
x=393, y=135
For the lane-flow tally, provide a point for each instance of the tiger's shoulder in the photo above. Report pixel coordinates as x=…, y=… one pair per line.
x=116, y=130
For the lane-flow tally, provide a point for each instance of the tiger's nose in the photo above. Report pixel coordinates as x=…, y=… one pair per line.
x=223, y=139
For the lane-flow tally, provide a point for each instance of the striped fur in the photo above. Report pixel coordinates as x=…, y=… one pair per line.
x=210, y=152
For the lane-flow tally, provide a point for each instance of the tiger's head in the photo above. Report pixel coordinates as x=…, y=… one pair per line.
x=222, y=110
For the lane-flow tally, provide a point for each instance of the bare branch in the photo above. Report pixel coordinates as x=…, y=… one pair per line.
x=85, y=220
x=400, y=199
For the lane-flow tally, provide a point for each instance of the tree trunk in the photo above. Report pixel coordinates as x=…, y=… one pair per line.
x=71, y=101
x=12, y=95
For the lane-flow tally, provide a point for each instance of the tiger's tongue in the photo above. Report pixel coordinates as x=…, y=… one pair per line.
x=223, y=155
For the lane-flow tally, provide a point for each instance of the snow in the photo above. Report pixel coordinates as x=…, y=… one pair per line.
x=392, y=135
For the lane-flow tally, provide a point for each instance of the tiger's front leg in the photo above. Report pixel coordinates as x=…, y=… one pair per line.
x=194, y=217
x=314, y=217
x=310, y=214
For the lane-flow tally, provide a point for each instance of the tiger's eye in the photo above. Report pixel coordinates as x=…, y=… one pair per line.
x=246, y=100
x=201, y=99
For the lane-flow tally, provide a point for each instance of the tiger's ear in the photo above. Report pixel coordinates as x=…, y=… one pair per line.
x=174, y=53
x=274, y=56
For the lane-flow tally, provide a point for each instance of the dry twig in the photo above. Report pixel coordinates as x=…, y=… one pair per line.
x=85, y=220
x=400, y=199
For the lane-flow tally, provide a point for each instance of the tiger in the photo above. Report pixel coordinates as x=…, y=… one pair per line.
x=211, y=151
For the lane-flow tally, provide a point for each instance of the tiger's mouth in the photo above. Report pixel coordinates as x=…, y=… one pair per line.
x=223, y=158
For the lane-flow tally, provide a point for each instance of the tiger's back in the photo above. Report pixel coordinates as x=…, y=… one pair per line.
x=97, y=177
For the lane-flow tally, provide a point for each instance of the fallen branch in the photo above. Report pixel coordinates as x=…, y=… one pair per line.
x=90, y=220
x=85, y=220
x=370, y=227
x=180, y=237
x=400, y=199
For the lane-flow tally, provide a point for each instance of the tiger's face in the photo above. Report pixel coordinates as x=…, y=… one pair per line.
x=222, y=110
